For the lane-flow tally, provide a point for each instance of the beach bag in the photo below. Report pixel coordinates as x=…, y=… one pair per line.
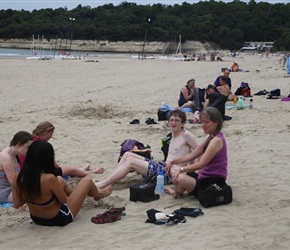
x=136, y=147
x=243, y=90
x=275, y=92
x=199, y=98
x=144, y=192
x=163, y=114
x=165, y=141
x=215, y=195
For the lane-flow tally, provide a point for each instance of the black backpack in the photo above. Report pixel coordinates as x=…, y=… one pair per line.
x=165, y=141
x=198, y=99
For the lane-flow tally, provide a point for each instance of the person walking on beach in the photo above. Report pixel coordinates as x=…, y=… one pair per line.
x=212, y=165
x=10, y=164
x=182, y=143
x=51, y=201
x=44, y=131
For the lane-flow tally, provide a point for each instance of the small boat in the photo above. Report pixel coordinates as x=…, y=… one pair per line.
x=142, y=57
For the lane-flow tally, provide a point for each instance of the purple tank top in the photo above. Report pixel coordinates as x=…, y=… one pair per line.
x=218, y=166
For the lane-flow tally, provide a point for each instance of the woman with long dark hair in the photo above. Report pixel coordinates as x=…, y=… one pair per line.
x=51, y=201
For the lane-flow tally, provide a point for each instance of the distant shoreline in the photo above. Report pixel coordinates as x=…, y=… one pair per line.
x=101, y=46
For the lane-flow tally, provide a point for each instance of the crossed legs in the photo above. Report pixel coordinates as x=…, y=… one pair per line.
x=128, y=161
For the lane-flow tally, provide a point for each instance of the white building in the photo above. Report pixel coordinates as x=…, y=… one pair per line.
x=257, y=46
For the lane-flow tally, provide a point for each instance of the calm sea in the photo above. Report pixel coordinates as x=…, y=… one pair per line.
x=27, y=52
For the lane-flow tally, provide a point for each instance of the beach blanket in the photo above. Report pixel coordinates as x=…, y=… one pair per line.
x=6, y=205
x=232, y=106
x=169, y=108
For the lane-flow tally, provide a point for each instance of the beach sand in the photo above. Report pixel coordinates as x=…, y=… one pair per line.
x=91, y=105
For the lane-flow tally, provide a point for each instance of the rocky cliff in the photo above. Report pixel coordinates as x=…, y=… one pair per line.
x=106, y=46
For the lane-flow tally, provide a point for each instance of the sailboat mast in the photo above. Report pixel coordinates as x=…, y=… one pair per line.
x=178, y=50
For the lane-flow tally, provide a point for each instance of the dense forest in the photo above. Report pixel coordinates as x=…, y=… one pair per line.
x=227, y=25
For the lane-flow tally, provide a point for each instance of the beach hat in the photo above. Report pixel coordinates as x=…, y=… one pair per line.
x=235, y=62
x=210, y=86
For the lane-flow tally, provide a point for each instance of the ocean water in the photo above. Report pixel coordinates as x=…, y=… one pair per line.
x=16, y=53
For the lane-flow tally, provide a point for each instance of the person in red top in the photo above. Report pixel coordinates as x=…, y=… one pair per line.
x=44, y=132
x=235, y=67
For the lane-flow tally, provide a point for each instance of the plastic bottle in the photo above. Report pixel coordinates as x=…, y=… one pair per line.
x=159, y=189
x=251, y=104
x=241, y=102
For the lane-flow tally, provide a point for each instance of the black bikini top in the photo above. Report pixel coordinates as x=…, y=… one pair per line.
x=44, y=203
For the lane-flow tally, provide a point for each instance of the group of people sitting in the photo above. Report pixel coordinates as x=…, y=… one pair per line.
x=214, y=95
x=37, y=181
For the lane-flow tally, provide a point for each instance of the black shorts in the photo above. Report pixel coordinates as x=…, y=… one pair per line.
x=63, y=218
x=203, y=183
x=194, y=175
x=58, y=171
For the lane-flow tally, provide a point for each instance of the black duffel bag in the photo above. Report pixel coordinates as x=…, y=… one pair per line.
x=215, y=195
x=144, y=192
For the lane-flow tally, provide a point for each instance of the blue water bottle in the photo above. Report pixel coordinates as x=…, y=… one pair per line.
x=159, y=189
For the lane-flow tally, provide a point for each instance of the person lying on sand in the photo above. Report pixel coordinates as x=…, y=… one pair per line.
x=212, y=164
x=44, y=132
x=51, y=201
x=182, y=143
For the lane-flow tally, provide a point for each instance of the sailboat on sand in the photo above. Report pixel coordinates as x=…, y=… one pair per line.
x=178, y=56
x=37, y=50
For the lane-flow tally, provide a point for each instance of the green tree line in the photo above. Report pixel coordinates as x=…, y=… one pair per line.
x=228, y=25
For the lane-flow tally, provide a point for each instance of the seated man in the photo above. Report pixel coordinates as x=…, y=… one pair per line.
x=216, y=99
x=182, y=143
x=229, y=83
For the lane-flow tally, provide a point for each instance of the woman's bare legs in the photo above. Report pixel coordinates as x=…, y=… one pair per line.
x=128, y=161
x=66, y=188
x=85, y=187
x=188, y=104
x=80, y=172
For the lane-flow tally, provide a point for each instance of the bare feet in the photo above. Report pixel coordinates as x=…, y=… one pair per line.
x=103, y=192
x=97, y=171
x=174, y=194
x=170, y=191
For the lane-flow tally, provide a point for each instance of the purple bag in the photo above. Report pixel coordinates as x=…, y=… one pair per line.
x=128, y=145
x=245, y=85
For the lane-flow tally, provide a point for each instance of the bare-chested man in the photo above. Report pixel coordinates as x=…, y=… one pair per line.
x=182, y=143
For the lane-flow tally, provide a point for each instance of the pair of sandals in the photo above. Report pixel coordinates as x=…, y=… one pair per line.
x=150, y=121
x=112, y=214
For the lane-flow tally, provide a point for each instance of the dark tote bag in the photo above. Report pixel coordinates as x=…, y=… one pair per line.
x=214, y=194
x=144, y=192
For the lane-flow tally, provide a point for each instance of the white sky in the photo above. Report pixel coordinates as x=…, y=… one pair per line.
x=54, y=4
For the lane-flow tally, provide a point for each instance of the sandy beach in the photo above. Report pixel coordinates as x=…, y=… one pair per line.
x=91, y=105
